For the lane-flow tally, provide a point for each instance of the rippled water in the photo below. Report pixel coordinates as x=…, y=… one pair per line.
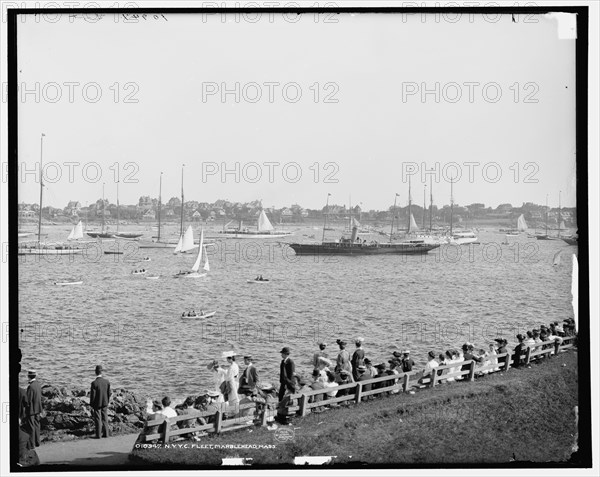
x=133, y=327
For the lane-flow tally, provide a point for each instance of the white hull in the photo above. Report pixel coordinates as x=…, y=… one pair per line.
x=157, y=245
x=206, y=315
x=191, y=275
x=258, y=281
x=235, y=235
x=152, y=278
x=68, y=283
x=48, y=251
x=463, y=241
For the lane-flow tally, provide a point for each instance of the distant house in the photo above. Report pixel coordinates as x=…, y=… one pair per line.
x=197, y=216
x=149, y=214
x=169, y=212
x=73, y=208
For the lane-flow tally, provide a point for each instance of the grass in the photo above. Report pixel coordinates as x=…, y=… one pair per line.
x=524, y=414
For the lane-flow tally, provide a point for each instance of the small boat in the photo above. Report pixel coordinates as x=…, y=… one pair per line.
x=264, y=280
x=201, y=315
x=139, y=272
x=146, y=259
x=127, y=235
x=152, y=277
x=69, y=283
x=108, y=252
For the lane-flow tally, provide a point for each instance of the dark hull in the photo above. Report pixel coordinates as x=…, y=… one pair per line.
x=99, y=235
x=348, y=249
x=128, y=236
x=570, y=241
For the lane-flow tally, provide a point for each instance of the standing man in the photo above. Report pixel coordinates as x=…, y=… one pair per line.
x=34, y=408
x=99, y=397
x=358, y=357
x=249, y=377
x=286, y=374
x=407, y=362
x=319, y=354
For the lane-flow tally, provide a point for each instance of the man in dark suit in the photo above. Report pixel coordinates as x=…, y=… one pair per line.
x=99, y=397
x=249, y=377
x=34, y=408
x=519, y=350
x=286, y=373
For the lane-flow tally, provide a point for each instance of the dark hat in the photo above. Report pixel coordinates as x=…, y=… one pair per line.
x=212, y=365
x=499, y=340
x=431, y=354
x=405, y=352
x=341, y=342
x=465, y=346
x=157, y=403
x=367, y=361
x=520, y=337
x=397, y=354
x=98, y=369
x=380, y=366
x=248, y=356
x=285, y=350
x=322, y=343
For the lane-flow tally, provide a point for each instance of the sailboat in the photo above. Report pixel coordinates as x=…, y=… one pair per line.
x=264, y=229
x=158, y=243
x=123, y=235
x=195, y=271
x=76, y=234
x=186, y=241
x=458, y=238
x=102, y=234
x=39, y=248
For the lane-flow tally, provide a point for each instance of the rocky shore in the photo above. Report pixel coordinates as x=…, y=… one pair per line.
x=68, y=414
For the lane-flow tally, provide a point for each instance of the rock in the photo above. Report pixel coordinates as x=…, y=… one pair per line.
x=79, y=392
x=49, y=392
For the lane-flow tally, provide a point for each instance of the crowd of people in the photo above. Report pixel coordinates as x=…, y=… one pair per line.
x=232, y=388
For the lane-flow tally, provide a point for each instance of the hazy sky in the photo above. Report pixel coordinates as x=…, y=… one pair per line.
x=360, y=116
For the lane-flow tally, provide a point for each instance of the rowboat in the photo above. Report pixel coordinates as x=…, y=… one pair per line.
x=152, y=277
x=205, y=315
x=258, y=281
x=135, y=272
x=68, y=283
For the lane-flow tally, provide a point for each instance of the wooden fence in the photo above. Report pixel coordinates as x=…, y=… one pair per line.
x=302, y=403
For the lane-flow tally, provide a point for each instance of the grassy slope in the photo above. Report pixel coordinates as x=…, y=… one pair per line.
x=525, y=412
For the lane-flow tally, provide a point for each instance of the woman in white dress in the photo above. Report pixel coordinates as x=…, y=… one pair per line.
x=231, y=377
x=457, y=357
x=448, y=361
x=492, y=354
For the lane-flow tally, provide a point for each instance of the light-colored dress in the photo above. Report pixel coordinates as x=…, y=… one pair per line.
x=231, y=376
x=218, y=378
x=331, y=385
x=343, y=362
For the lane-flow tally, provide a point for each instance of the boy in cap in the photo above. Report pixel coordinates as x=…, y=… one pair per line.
x=407, y=362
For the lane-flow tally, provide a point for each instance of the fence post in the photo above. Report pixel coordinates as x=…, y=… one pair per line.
x=433, y=377
x=167, y=431
x=358, y=392
x=263, y=417
x=472, y=371
x=302, y=402
x=405, y=384
x=507, y=363
x=218, y=421
x=556, y=347
x=528, y=355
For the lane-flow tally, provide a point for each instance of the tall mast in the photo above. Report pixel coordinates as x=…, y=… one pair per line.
x=559, y=217
x=424, y=206
x=546, y=215
x=103, y=207
x=118, y=215
x=326, y=213
x=430, y=203
x=409, y=205
x=41, y=187
x=451, y=203
x=181, y=226
x=393, y=214
x=159, y=204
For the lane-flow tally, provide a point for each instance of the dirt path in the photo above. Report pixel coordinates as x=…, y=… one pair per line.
x=94, y=452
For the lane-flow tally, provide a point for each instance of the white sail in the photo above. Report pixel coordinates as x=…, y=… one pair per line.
x=188, y=240
x=521, y=224
x=264, y=225
x=179, y=244
x=556, y=259
x=72, y=234
x=575, y=290
x=413, y=224
x=206, y=265
x=355, y=223
x=196, y=266
x=78, y=231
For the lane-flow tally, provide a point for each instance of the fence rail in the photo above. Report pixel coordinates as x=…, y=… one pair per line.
x=301, y=403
